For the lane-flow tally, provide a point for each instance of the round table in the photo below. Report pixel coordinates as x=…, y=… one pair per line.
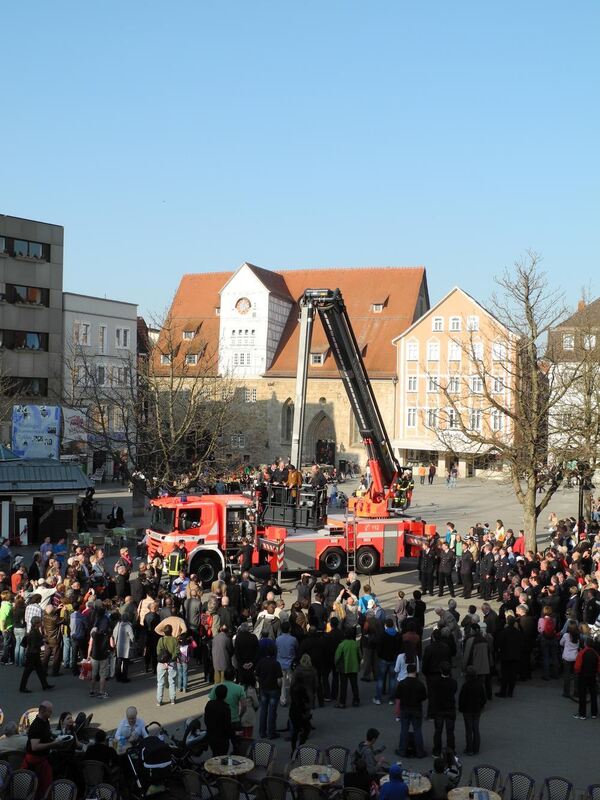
x=462, y=793
x=234, y=766
x=417, y=783
x=304, y=775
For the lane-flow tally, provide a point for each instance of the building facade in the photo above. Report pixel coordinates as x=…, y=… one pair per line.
x=31, y=282
x=251, y=317
x=451, y=364
x=99, y=369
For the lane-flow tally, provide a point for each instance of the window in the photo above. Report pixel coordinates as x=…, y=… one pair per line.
x=454, y=351
x=100, y=375
x=411, y=417
x=26, y=249
x=412, y=383
x=316, y=359
x=589, y=341
x=287, y=420
x=499, y=351
x=455, y=324
x=437, y=324
x=242, y=359
x=476, y=384
x=82, y=333
x=477, y=351
x=238, y=440
x=23, y=340
x=454, y=385
x=122, y=338
x=165, y=359
x=102, y=339
x=191, y=359
x=453, y=419
x=412, y=351
x=217, y=311
x=27, y=294
x=118, y=419
x=33, y=387
x=433, y=351
x=236, y=359
x=472, y=322
x=249, y=395
x=377, y=308
x=188, y=335
x=121, y=376
x=497, y=421
x=568, y=341
x=475, y=419
x=432, y=417
x=432, y=383
x=498, y=385
x=3, y=245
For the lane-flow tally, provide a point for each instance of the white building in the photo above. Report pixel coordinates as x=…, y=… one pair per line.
x=99, y=363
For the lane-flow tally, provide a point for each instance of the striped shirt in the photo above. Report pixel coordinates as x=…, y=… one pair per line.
x=31, y=611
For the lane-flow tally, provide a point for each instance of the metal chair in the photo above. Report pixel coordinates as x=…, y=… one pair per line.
x=26, y=719
x=519, y=786
x=556, y=788
x=242, y=745
x=103, y=791
x=352, y=793
x=277, y=789
x=311, y=793
x=263, y=756
x=230, y=789
x=61, y=790
x=22, y=785
x=338, y=757
x=485, y=776
x=307, y=755
x=593, y=792
x=94, y=772
x=195, y=786
x=4, y=773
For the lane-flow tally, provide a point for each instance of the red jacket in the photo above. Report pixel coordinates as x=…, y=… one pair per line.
x=519, y=546
x=587, y=662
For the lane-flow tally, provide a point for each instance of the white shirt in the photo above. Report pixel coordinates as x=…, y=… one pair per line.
x=125, y=730
x=570, y=649
x=400, y=667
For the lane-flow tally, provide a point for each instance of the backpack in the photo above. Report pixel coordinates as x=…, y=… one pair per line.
x=549, y=629
x=271, y=628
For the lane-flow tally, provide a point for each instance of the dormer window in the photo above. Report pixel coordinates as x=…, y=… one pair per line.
x=188, y=335
x=377, y=308
x=217, y=311
x=317, y=359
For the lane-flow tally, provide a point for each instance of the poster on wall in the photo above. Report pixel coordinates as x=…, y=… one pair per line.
x=75, y=425
x=36, y=431
x=23, y=532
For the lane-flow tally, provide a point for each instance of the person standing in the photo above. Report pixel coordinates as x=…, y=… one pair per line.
x=6, y=628
x=51, y=624
x=388, y=647
x=411, y=694
x=347, y=662
x=122, y=641
x=222, y=653
x=217, y=719
x=466, y=572
x=167, y=652
x=431, y=475
x=427, y=568
x=442, y=707
x=447, y=560
x=286, y=646
x=39, y=743
x=270, y=678
x=587, y=667
x=509, y=643
x=422, y=474
x=33, y=642
x=471, y=701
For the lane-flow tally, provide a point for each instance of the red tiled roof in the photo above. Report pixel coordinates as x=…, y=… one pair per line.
x=198, y=296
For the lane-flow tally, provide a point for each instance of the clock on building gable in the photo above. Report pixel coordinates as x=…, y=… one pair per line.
x=243, y=305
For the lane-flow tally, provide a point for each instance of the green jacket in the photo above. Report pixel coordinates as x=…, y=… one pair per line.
x=168, y=644
x=347, y=656
x=6, y=616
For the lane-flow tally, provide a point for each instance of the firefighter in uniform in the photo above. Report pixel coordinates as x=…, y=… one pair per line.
x=486, y=577
x=428, y=559
x=177, y=560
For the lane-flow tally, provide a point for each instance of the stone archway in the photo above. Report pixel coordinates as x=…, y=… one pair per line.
x=321, y=428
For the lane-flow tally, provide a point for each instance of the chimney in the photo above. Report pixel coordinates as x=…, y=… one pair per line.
x=581, y=305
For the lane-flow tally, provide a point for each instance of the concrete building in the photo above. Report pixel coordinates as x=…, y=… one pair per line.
x=251, y=317
x=31, y=282
x=450, y=362
x=99, y=366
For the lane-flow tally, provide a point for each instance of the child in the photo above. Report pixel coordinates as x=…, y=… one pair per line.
x=440, y=782
x=248, y=717
x=187, y=646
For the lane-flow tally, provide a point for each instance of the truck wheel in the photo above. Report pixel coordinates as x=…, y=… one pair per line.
x=333, y=560
x=206, y=566
x=367, y=560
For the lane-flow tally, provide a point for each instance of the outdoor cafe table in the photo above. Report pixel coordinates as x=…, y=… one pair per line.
x=228, y=766
x=304, y=775
x=417, y=783
x=463, y=792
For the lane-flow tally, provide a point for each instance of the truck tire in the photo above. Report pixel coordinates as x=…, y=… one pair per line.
x=367, y=560
x=206, y=566
x=333, y=561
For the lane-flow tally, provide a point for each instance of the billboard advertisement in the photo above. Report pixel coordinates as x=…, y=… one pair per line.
x=36, y=431
x=75, y=425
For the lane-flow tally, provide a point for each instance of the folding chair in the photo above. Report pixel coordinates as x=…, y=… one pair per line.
x=519, y=786
x=485, y=776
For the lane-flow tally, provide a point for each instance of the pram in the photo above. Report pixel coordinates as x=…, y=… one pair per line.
x=151, y=763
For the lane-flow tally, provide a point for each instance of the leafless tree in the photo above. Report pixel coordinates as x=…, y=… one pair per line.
x=7, y=391
x=503, y=409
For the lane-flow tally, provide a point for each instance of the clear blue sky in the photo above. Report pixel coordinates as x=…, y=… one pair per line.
x=190, y=136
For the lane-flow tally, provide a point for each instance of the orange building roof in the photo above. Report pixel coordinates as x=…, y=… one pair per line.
x=198, y=296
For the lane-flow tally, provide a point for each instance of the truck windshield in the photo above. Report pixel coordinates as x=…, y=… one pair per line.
x=162, y=519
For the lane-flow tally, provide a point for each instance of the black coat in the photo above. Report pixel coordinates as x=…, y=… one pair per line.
x=442, y=699
x=471, y=698
x=509, y=643
x=435, y=654
x=447, y=562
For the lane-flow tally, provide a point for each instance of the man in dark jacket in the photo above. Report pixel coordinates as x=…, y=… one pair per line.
x=411, y=693
x=487, y=569
x=447, y=560
x=331, y=640
x=314, y=645
x=466, y=573
x=388, y=647
x=317, y=614
x=471, y=701
x=509, y=643
x=442, y=707
x=304, y=588
x=587, y=667
x=427, y=560
x=527, y=625
x=434, y=655
x=217, y=718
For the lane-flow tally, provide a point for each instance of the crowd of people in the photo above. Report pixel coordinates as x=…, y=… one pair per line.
x=270, y=662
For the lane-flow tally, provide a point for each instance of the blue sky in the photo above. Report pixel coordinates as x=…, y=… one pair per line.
x=190, y=136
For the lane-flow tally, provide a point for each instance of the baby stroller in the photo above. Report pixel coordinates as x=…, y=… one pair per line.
x=151, y=764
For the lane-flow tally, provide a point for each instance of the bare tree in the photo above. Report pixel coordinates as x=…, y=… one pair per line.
x=7, y=398
x=161, y=415
x=503, y=409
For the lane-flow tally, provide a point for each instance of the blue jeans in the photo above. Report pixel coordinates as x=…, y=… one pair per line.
x=269, y=701
x=549, y=649
x=384, y=669
x=182, y=677
x=67, y=652
x=19, y=651
x=8, y=646
x=163, y=671
x=407, y=718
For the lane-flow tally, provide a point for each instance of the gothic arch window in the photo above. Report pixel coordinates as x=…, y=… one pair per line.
x=287, y=420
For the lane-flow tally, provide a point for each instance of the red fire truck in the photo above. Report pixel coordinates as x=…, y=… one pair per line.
x=293, y=528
